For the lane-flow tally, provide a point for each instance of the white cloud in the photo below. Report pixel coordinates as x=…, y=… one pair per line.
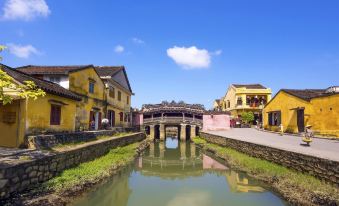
x=119, y=49
x=190, y=58
x=23, y=51
x=218, y=52
x=25, y=9
x=138, y=41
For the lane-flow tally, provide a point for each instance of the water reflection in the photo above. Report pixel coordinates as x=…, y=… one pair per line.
x=177, y=173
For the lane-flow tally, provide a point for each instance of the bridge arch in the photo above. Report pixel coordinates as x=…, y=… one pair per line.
x=187, y=117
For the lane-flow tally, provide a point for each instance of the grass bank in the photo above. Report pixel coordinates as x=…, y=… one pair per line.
x=294, y=186
x=92, y=171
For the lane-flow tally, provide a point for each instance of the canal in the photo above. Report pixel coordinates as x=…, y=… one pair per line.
x=176, y=173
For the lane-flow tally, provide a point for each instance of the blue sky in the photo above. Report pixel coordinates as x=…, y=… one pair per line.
x=181, y=50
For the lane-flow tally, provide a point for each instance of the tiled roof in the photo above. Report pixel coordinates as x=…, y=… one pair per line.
x=250, y=86
x=217, y=101
x=105, y=71
x=34, y=69
x=47, y=86
x=306, y=94
x=111, y=71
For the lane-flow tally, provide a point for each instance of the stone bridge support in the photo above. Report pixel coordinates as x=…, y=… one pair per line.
x=183, y=132
x=152, y=133
x=162, y=132
x=193, y=127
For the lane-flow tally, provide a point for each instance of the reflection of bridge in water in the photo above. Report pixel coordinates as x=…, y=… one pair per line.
x=187, y=161
x=186, y=118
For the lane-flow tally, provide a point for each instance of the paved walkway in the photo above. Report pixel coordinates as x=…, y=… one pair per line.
x=324, y=148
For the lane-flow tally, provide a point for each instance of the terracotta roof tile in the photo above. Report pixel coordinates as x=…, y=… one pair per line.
x=250, y=86
x=34, y=69
x=306, y=94
x=47, y=86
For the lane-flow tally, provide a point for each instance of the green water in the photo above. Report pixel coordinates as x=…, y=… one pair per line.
x=173, y=173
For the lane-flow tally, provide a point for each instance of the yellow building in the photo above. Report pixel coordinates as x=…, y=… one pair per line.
x=295, y=109
x=55, y=112
x=105, y=92
x=118, y=95
x=241, y=98
x=217, y=105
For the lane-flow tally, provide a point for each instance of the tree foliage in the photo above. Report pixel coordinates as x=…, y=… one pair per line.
x=247, y=117
x=26, y=90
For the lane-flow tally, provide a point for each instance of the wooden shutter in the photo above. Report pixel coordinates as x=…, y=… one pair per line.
x=55, y=115
x=270, y=119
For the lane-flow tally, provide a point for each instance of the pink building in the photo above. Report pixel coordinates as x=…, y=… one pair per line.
x=137, y=119
x=213, y=121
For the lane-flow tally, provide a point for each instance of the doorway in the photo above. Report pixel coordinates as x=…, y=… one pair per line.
x=300, y=120
x=111, y=117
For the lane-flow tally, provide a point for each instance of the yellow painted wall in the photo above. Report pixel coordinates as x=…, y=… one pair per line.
x=79, y=83
x=38, y=114
x=325, y=115
x=317, y=113
x=9, y=131
x=119, y=106
x=33, y=116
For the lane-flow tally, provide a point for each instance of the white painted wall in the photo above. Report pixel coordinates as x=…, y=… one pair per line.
x=64, y=80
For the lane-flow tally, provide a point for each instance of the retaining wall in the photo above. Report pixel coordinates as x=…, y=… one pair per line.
x=324, y=169
x=19, y=174
x=50, y=140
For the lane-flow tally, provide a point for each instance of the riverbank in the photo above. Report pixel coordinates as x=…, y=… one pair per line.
x=296, y=187
x=71, y=183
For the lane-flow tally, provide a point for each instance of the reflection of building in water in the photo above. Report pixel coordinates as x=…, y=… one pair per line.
x=187, y=161
x=240, y=183
x=236, y=181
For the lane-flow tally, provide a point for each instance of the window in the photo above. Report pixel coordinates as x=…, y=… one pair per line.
x=91, y=87
x=127, y=99
x=112, y=92
x=55, y=114
x=274, y=118
x=228, y=104
x=239, y=101
x=54, y=79
x=119, y=95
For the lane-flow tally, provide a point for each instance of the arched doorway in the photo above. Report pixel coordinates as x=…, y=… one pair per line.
x=188, y=132
x=148, y=130
x=157, y=132
x=197, y=131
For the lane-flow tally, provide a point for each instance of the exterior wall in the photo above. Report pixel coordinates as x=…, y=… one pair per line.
x=38, y=115
x=323, y=169
x=79, y=83
x=216, y=122
x=9, y=136
x=119, y=105
x=285, y=102
x=33, y=116
x=22, y=174
x=324, y=119
x=318, y=113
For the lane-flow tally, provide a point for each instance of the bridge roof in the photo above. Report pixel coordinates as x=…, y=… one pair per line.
x=173, y=107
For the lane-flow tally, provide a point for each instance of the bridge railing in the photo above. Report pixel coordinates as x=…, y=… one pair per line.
x=172, y=119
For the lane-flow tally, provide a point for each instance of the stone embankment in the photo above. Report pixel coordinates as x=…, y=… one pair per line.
x=324, y=169
x=20, y=172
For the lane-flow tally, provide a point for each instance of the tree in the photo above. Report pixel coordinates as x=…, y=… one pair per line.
x=27, y=90
x=247, y=117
